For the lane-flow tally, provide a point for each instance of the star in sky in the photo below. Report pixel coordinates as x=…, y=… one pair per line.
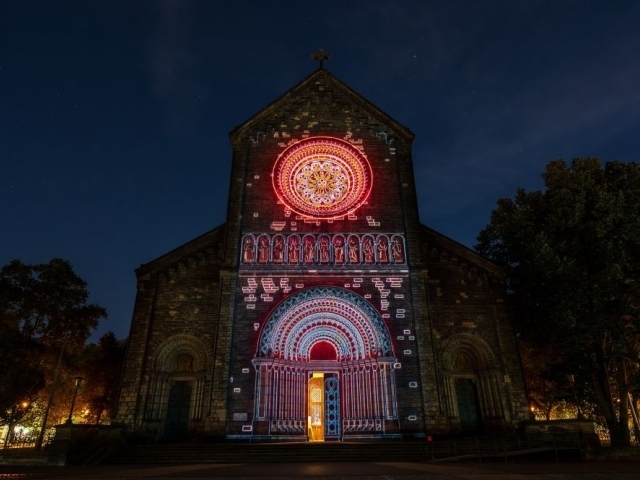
x=115, y=115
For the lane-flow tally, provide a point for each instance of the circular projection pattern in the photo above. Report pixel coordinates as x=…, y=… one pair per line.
x=347, y=323
x=322, y=177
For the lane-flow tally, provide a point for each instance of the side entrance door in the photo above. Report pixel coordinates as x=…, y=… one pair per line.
x=177, y=420
x=468, y=405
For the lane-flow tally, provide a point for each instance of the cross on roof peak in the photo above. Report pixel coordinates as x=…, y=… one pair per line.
x=320, y=56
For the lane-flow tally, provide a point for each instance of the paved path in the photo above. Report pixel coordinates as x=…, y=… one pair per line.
x=593, y=470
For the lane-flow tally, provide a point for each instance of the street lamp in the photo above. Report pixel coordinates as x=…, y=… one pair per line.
x=73, y=402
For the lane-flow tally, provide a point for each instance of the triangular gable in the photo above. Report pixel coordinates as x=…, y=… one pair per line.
x=207, y=240
x=321, y=76
x=444, y=243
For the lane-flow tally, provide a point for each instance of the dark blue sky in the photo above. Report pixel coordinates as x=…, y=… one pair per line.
x=114, y=116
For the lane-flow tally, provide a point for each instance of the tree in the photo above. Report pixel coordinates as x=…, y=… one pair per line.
x=43, y=309
x=47, y=302
x=572, y=255
x=101, y=368
x=20, y=380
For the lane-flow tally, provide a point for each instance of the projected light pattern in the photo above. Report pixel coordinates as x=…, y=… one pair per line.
x=321, y=183
x=322, y=177
x=298, y=341
x=324, y=249
x=336, y=316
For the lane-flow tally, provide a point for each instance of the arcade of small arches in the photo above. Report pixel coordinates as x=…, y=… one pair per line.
x=263, y=249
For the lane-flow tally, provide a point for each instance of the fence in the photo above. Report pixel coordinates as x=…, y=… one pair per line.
x=27, y=440
x=605, y=439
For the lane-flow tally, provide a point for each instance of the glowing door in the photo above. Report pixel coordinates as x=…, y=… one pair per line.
x=332, y=408
x=316, y=408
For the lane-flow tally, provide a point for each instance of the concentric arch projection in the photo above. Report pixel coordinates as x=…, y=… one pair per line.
x=324, y=314
x=322, y=177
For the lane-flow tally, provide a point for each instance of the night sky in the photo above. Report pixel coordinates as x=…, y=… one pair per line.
x=114, y=115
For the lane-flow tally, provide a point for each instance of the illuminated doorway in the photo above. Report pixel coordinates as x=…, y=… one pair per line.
x=324, y=407
x=316, y=408
x=332, y=429
x=324, y=369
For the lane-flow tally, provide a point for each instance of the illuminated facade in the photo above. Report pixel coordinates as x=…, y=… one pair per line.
x=322, y=309
x=322, y=178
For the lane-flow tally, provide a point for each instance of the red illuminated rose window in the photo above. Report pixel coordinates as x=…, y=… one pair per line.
x=322, y=177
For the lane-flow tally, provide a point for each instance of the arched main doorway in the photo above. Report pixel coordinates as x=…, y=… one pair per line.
x=324, y=368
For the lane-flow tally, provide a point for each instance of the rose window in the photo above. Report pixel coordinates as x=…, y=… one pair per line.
x=322, y=184
x=322, y=177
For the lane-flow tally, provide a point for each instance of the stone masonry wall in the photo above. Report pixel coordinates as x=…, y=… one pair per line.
x=203, y=289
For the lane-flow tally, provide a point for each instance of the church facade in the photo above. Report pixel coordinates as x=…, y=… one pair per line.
x=322, y=309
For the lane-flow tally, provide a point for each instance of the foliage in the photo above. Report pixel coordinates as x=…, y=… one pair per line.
x=47, y=302
x=19, y=384
x=101, y=368
x=43, y=307
x=572, y=255
x=20, y=376
x=545, y=386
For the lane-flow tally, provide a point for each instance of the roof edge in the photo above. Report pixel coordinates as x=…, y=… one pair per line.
x=174, y=254
x=241, y=128
x=465, y=252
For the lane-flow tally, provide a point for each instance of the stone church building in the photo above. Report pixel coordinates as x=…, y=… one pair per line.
x=322, y=309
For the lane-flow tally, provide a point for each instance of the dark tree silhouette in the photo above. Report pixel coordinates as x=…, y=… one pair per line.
x=101, y=368
x=44, y=311
x=572, y=254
